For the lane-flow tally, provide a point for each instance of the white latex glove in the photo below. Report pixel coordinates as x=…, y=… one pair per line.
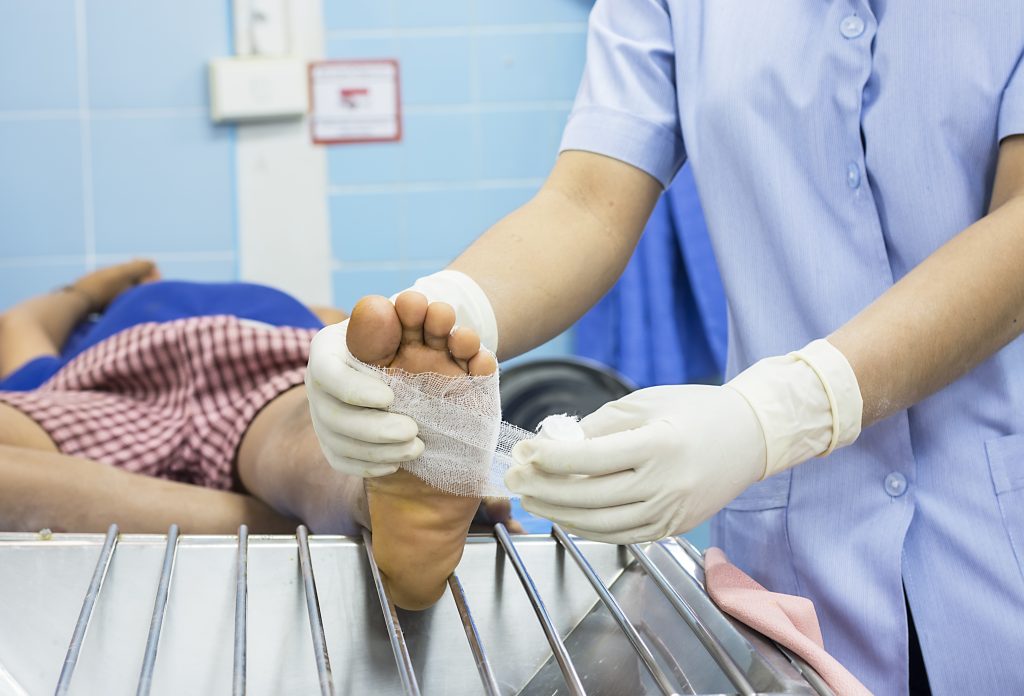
x=356, y=434
x=472, y=308
x=662, y=460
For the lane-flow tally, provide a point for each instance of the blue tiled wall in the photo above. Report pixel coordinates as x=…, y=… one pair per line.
x=486, y=88
x=106, y=149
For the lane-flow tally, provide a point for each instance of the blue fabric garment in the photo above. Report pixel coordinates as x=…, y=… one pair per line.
x=166, y=301
x=835, y=146
x=664, y=321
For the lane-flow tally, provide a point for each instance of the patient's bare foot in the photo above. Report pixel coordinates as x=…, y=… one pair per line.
x=103, y=285
x=418, y=531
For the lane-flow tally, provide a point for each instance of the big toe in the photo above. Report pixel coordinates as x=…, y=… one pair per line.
x=374, y=331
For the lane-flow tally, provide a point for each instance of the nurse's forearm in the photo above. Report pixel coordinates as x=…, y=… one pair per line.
x=954, y=310
x=545, y=264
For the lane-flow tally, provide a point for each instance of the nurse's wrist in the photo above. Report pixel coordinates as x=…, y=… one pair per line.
x=807, y=403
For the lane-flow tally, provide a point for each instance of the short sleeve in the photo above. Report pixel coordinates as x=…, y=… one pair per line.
x=626, y=107
x=1011, y=110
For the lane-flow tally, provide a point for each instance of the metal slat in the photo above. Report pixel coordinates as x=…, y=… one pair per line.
x=667, y=656
x=642, y=651
x=808, y=672
x=95, y=585
x=159, y=611
x=692, y=551
x=398, y=647
x=561, y=655
x=708, y=640
x=812, y=677
x=483, y=665
x=316, y=624
x=241, y=607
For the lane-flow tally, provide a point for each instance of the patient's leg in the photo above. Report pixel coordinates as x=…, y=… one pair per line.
x=51, y=490
x=418, y=531
x=42, y=488
x=280, y=462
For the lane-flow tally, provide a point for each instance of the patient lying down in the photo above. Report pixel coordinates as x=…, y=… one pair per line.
x=202, y=420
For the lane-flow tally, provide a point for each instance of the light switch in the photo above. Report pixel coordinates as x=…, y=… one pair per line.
x=246, y=89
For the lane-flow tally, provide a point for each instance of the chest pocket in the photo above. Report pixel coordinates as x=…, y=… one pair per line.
x=1006, y=463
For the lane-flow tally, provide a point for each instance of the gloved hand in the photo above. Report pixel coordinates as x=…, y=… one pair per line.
x=662, y=460
x=356, y=434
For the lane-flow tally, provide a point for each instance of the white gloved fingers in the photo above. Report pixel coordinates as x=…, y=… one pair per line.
x=368, y=452
x=330, y=373
x=597, y=456
x=609, y=520
x=360, y=468
x=613, y=417
x=584, y=492
x=337, y=449
x=366, y=424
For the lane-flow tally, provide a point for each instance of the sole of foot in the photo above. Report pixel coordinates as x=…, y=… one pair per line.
x=419, y=531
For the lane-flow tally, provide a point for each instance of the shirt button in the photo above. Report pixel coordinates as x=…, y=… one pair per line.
x=853, y=175
x=851, y=27
x=895, y=484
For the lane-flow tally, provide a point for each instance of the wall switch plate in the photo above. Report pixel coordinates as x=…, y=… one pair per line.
x=258, y=89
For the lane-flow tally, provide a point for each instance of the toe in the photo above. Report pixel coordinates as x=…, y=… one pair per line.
x=483, y=364
x=438, y=325
x=463, y=344
x=412, y=312
x=374, y=330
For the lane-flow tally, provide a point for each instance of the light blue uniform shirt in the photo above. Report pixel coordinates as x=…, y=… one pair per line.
x=835, y=145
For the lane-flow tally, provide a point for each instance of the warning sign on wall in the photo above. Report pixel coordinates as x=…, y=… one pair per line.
x=355, y=101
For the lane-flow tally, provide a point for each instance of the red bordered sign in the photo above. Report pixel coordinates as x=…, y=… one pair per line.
x=354, y=101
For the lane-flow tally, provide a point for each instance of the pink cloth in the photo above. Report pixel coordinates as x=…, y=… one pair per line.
x=170, y=400
x=788, y=620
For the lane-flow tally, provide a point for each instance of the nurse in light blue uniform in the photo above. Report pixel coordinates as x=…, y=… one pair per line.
x=835, y=146
x=861, y=170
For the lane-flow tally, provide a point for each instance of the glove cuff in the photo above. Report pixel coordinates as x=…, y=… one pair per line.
x=472, y=308
x=808, y=403
x=840, y=384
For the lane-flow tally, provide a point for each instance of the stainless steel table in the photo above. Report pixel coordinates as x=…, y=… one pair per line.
x=534, y=615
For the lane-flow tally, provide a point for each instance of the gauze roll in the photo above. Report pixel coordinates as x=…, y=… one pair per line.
x=466, y=444
x=561, y=426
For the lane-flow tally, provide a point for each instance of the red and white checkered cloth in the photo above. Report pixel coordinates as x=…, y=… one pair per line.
x=170, y=400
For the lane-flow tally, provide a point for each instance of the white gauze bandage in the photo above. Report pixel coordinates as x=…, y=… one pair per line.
x=466, y=444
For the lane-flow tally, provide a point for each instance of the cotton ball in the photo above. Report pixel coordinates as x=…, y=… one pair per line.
x=561, y=427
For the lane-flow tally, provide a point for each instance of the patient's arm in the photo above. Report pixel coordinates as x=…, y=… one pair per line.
x=41, y=325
